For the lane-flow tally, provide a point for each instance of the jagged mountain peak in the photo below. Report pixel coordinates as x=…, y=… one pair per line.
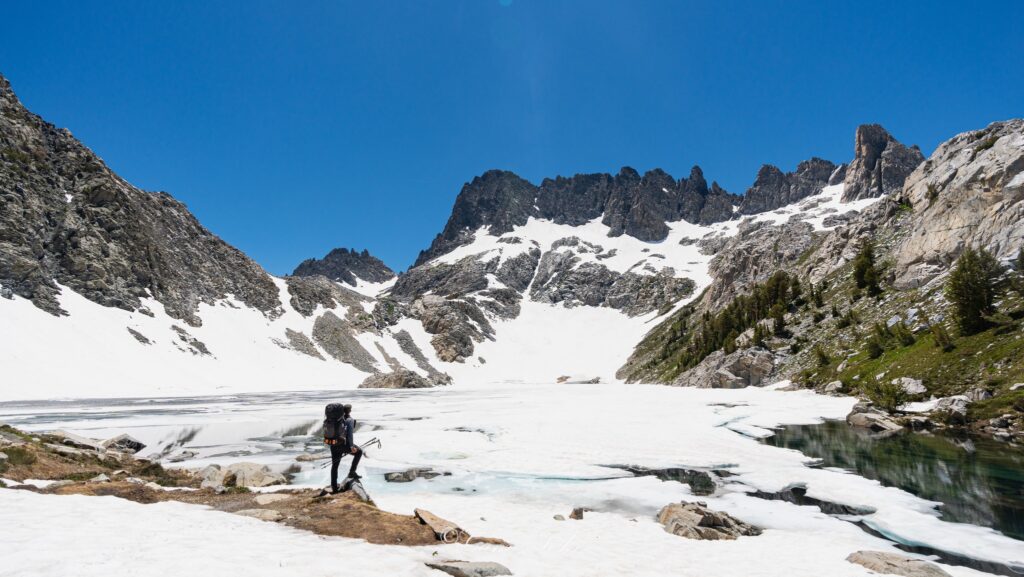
x=347, y=266
x=774, y=188
x=880, y=163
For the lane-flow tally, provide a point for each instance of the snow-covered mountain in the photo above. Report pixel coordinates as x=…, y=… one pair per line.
x=111, y=290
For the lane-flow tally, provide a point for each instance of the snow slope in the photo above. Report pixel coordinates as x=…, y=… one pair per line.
x=92, y=354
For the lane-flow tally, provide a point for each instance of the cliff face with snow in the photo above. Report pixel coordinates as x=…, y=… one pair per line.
x=109, y=289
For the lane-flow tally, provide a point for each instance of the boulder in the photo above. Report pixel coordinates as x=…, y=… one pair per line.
x=577, y=513
x=877, y=422
x=696, y=521
x=101, y=478
x=124, y=444
x=251, y=475
x=268, y=498
x=1017, y=386
x=309, y=457
x=834, y=387
x=212, y=476
x=470, y=568
x=78, y=441
x=400, y=379
x=261, y=514
x=893, y=564
x=954, y=408
x=978, y=394
x=911, y=386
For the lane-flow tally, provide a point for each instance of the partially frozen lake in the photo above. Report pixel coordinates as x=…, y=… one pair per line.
x=520, y=454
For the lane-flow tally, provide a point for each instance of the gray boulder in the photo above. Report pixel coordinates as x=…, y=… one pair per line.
x=873, y=421
x=911, y=386
x=124, y=443
x=261, y=514
x=239, y=475
x=893, y=564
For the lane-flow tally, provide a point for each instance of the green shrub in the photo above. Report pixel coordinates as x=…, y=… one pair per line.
x=874, y=348
x=19, y=456
x=821, y=356
x=887, y=396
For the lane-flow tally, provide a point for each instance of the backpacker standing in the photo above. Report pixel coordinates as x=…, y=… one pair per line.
x=339, y=434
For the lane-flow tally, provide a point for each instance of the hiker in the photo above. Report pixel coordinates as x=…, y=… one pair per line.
x=339, y=434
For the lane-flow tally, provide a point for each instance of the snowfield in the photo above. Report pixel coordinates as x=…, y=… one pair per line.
x=519, y=454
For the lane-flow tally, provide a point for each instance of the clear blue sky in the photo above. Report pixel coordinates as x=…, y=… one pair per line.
x=290, y=127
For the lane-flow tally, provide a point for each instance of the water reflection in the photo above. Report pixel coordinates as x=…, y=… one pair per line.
x=977, y=480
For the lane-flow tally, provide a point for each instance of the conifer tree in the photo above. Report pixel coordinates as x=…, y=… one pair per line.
x=972, y=287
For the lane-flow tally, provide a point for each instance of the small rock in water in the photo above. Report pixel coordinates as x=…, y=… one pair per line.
x=893, y=564
x=308, y=457
x=410, y=475
x=470, y=568
x=578, y=512
x=559, y=517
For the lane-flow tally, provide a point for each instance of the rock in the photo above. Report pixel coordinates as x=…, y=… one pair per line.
x=101, y=478
x=873, y=421
x=124, y=443
x=310, y=457
x=3, y=456
x=261, y=514
x=1017, y=386
x=577, y=513
x=78, y=442
x=344, y=265
x=400, y=379
x=59, y=484
x=918, y=423
x=153, y=486
x=183, y=456
x=893, y=564
x=470, y=569
x=337, y=337
x=268, y=498
x=212, y=476
x=741, y=368
x=953, y=408
x=833, y=387
x=880, y=165
x=911, y=386
x=410, y=475
x=696, y=521
x=559, y=517
x=773, y=189
x=251, y=475
x=978, y=394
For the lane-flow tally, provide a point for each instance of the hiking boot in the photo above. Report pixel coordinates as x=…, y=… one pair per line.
x=354, y=476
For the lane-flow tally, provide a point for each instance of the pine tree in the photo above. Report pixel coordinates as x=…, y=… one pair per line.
x=758, y=339
x=778, y=314
x=865, y=273
x=972, y=287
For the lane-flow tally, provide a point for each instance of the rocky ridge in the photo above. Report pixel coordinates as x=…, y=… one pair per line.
x=345, y=266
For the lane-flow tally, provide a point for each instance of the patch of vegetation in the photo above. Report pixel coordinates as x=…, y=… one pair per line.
x=237, y=490
x=986, y=144
x=886, y=395
x=17, y=456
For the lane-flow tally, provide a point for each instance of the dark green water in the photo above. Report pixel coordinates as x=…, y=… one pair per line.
x=977, y=480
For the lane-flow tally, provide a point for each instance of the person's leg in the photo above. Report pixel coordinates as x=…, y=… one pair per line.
x=355, y=462
x=336, y=454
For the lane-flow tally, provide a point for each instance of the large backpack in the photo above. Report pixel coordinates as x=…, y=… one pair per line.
x=334, y=425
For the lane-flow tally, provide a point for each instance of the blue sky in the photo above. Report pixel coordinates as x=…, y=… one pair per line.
x=290, y=128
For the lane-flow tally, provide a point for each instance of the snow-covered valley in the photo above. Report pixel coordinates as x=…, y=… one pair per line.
x=518, y=455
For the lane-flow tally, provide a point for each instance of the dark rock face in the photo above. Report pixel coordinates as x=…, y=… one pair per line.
x=628, y=203
x=338, y=338
x=66, y=218
x=880, y=165
x=344, y=265
x=773, y=188
x=400, y=379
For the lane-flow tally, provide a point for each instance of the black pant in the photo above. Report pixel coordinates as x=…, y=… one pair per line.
x=339, y=451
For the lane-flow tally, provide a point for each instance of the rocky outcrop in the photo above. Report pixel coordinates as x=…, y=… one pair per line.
x=741, y=368
x=66, y=218
x=240, y=475
x=970, y=192
x=410, y=475
x=400, y=379
x=880, y=164
x=893, y=564
x=345, y=265
x=774, y=189
x=337, y=338
x=696, y=521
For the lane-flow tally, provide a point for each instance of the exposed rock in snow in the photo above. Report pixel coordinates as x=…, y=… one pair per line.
x=696, y=521
x=774, y=189
x=893, y=564
x=124, y=443
x=347, y=266
x=470, y=568
x=741, y=368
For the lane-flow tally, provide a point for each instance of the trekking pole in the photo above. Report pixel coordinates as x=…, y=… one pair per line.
x=373, y=441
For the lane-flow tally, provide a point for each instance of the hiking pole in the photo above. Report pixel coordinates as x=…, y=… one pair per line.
x=373, y=441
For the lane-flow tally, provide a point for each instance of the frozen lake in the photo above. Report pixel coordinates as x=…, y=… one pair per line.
x=520, y=454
